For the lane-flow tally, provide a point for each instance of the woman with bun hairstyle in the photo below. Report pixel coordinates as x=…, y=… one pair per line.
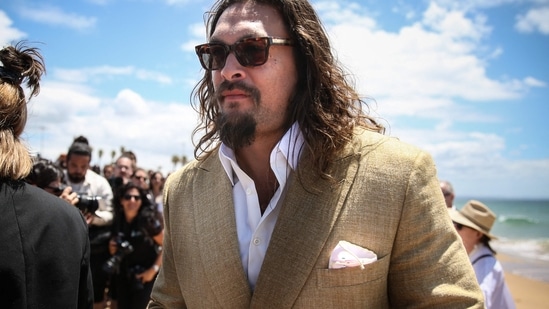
x=44, y=244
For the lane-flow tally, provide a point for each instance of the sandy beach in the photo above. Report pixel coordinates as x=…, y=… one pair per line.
x=527, y=292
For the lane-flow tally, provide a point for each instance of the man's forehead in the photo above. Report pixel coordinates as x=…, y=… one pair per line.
x=248, y=20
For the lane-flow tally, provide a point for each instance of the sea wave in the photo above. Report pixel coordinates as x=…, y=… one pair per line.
x=517, y=220
x=536, y=249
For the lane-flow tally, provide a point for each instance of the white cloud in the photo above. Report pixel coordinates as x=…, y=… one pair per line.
x=429, y=59
x=536, y=19
x=8, y=34
x=423, y=71
x=106, y=72
x=533, y=82
x=55, y=16
x=155, y=131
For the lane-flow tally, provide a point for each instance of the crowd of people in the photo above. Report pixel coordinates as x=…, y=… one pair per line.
x=122, y=205
x=296, y=199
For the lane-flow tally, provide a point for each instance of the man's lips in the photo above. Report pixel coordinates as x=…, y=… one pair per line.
x=234, y=95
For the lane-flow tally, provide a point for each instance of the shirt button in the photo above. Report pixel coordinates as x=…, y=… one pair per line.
x=257, y=241
x=248, y=191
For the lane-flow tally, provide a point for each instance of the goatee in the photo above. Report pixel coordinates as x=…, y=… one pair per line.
x=236, y=131
x=75, y=178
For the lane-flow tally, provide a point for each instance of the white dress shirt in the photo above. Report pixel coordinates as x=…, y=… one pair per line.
x=96, y=185
x=491, y=279
x=254, y=230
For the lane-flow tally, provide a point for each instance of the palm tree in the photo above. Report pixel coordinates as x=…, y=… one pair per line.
x=100, y=155
x=175, y=160
x=184, y=160
x=113, y=154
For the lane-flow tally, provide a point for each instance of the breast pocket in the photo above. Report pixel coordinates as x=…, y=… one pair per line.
x=377, y=270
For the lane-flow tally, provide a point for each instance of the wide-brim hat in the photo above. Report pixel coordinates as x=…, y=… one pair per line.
x=475, y=215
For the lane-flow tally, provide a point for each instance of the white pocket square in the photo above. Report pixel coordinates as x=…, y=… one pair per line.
x=346, y=254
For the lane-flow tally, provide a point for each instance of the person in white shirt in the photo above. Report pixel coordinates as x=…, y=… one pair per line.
x=473, y=223
x=84, y=181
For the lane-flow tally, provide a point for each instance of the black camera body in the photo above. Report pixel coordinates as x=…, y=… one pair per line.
x=135, y=283
x=123, y=248
x=88, y=203
x=151, y=223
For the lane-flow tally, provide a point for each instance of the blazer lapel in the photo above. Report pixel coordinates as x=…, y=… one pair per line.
x=216, y=226
x=308, y=213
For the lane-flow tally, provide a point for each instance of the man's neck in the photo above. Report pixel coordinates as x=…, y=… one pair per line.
x=254, y=160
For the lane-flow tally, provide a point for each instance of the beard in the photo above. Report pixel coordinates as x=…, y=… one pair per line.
x=76, y=178
x=237, y=130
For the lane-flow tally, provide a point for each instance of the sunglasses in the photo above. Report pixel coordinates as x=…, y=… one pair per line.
x=56, y=190
x=142, y=178
x=249, y=52
x=128, y=197
x=458, y=226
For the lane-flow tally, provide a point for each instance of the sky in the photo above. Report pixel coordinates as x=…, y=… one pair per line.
x=467, y=81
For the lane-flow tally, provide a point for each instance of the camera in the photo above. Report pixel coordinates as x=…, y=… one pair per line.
x=135, y=283
x=150, y=223
x=123, y=248
x=86, y=203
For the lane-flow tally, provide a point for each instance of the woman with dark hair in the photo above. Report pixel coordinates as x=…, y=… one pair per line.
x=157, y=185
x=136, y=246
x=44, y=244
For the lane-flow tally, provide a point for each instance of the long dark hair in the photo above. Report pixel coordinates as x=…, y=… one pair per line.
x=325, y=104
x=123, y=189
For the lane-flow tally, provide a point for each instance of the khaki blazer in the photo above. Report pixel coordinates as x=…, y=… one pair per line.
x=386, y=197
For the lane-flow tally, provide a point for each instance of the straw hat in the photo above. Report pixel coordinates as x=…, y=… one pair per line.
x=477, y=216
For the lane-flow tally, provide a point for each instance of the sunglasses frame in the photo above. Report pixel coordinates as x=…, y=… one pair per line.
x=243, y=59
x=129, y=197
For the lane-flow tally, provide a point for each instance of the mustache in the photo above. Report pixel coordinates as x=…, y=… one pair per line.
x=240, y=85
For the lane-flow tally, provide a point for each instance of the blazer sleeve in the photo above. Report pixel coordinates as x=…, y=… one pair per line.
x=166, y=292
x=429, y=266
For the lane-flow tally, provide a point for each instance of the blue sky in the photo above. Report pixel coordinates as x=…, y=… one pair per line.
x=467, y=80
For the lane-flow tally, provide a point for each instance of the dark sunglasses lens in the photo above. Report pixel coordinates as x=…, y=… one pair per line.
x=252, y=52
x=458, y=226
x=128, y=197
x=212, y=56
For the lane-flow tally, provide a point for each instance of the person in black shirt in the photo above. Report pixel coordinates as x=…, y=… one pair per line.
x=136, y=246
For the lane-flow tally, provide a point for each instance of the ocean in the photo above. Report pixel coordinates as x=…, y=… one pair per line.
x=522, y=228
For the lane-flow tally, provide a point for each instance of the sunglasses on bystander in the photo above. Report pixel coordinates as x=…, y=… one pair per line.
x=128, y=197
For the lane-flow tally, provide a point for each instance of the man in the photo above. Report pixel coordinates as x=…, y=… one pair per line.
x=141, y=178
x=448, y=193
x=84, y=181
x=108, y=171
x=44, y=245
x=123, y=170
x=301, y=185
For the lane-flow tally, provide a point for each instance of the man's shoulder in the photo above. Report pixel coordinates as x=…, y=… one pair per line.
x=93, y=177
x=366, y=141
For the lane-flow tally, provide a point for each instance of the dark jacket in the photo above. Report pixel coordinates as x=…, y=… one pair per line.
x=44, y=250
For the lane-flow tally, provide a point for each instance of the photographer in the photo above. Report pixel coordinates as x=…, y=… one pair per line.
x=86, y=182
x=135, y=246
